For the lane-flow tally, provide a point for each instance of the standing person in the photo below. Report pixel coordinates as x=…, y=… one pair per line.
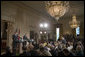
x=25, y=40
x=15, y=41
x=25, y=37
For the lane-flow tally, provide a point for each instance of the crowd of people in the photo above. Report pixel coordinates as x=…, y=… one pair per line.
x=50, y=48
x=61, y=47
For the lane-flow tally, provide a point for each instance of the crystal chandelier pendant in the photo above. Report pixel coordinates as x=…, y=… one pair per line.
x=57, y=18
x=57, y=8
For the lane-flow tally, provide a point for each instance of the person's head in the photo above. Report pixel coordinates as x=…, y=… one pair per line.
x=31, y=46
x=8, y=49
x=71, y=43
x=66, y=52
x=41, y=45
x=79, y=43
x=68, y=43
x=63, y=46
x=62, y=38
x=52, y=47
x=42, y=48
x=78, y=48
x=16, y=33
x=25, y=42
x=56, y=44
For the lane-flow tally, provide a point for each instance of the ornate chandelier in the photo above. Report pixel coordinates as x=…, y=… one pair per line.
x=74, y=23
x=57, y=8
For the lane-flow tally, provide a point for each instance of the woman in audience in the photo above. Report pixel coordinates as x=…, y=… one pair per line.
x=79, y=51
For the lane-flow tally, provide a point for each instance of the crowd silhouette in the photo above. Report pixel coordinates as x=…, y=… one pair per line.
x=61, y=47
x=57, y=48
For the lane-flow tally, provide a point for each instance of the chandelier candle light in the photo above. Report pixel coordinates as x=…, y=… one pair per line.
x=74, y=23
x=57, y=8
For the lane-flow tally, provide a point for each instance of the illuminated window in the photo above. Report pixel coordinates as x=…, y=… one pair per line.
x=77, y=31
x=57, y=33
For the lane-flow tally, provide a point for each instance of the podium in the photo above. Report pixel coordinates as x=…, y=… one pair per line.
x=18, y=47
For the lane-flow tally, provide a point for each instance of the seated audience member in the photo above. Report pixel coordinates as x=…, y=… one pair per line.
x=63, y=40
x=44, y=52
x=80, y=43
x=8, y=52
x=67, y=53
x=79, y=51
x=25, y=53
x=70, y=47
x=73, y=51
x=33, y=50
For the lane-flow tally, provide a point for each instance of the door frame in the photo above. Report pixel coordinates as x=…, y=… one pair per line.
x=8, y=26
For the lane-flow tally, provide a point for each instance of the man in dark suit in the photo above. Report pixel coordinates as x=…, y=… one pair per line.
x=26, y=38
x=15, y=41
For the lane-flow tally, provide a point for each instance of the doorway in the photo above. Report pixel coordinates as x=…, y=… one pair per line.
x=6, y=27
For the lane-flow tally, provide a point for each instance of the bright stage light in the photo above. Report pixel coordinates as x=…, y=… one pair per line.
x=45, y=32
x=45, y=25
x=41, y=25
x=40, y=32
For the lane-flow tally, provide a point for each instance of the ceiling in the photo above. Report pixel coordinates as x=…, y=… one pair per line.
x=76, y=7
